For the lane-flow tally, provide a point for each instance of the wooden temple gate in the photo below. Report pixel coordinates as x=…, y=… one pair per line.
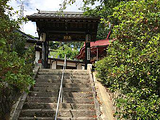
x=66, y=26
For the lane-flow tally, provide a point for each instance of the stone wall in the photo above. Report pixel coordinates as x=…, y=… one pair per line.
x=8, y=97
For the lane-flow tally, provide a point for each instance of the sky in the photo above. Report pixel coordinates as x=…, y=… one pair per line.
x=30, y=7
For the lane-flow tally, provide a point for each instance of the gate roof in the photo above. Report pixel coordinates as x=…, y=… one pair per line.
x=65, y=26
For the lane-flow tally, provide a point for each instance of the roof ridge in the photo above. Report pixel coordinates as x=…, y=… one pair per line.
x=59, y=12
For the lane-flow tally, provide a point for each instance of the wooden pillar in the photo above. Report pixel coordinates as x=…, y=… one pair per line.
x=47, y=52
x=43, y=55
x=87, y=50
x=43, y=39
x=97, y=54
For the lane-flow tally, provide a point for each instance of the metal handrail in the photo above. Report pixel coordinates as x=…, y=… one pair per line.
x=61, y=89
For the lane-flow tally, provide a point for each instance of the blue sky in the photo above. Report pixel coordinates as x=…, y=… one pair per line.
x=30, y=7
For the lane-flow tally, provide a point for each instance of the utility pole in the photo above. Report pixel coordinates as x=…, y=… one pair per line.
x=22, y=15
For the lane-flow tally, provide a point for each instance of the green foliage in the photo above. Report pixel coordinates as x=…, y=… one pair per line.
x=14, y=71
x=61, y=51
x=132, y=64
x=18, y=44
x=14, y=57
x=75, y=45
x=16, y=63
x=103, y=8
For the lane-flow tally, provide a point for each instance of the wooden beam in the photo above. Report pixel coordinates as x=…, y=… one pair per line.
x=87, y=50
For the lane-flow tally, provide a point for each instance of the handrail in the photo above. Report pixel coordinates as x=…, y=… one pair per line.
x=60, y=89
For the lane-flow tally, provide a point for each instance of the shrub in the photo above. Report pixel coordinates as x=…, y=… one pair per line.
x=132, y=63
x=16, y=64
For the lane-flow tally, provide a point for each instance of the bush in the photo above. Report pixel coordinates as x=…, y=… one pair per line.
x=132, y=63
x=16, y=63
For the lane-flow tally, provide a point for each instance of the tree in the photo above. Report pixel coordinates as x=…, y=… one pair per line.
x=65, y=49
x=133, y=59
x=103, y=8
x=15, y=63
x=71, y=49
x=132, y=63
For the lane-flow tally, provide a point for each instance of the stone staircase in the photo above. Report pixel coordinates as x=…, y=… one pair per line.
x=78, y=98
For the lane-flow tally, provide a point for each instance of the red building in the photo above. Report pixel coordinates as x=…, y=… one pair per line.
x=97, y=49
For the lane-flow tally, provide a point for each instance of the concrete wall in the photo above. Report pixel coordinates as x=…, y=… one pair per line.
x=69, y=64
x=37, y=56
x=60, y=63
x=79, y=66
x=105, y=100
x=53, y=66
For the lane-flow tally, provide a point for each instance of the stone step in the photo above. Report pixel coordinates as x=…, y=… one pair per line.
x=65, y=76
x=67, y=85
x=65, y=100
x=83, y=81
x=56, y=89
x=65, y=94
x=66, y=73
x=45, y=71
x=55, y=77
x=62, y=113
x=59, y=118
x=53, y=106
x=78, y=101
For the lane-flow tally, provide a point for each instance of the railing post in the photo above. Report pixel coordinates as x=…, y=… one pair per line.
x=60, y=96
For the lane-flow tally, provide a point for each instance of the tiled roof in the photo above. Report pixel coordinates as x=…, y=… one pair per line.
x=55, y=14
x=101, y=45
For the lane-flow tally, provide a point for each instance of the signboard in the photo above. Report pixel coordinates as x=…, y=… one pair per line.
x=67, y=37
x=88, y=54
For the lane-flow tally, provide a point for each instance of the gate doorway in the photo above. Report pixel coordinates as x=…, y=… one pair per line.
x=65, y=27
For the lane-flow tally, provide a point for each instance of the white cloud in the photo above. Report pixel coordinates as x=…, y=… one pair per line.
x=30, y=28
x=30, y=7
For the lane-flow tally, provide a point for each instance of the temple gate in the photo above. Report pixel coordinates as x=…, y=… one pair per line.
x=66, y=26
